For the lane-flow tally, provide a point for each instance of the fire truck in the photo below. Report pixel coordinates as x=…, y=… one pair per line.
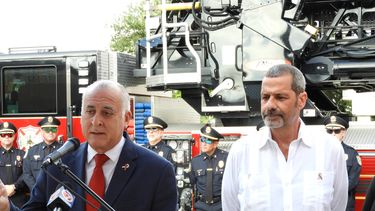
x=39, y=81
x=216, y=53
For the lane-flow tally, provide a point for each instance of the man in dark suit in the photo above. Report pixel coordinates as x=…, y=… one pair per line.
x=337, y=126
x=135, y=178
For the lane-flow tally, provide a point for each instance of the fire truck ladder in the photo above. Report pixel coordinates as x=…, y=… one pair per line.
x=168, y=78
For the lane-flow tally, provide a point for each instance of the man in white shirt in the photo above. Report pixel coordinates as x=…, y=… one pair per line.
x=286, y=166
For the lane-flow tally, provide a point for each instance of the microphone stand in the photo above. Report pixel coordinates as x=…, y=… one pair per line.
x=65, y=169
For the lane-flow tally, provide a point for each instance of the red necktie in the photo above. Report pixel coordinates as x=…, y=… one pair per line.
x=97, y=182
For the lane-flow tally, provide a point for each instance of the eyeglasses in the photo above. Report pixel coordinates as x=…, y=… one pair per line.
x=153, y=129
x=337, y=131
x=3, y=135
x=206, y=140
x=50, y=129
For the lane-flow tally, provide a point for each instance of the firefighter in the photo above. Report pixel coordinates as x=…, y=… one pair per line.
x=207, y=171
x=36, y=154
x=338, y=126
x=11, y=160
x=155, y=129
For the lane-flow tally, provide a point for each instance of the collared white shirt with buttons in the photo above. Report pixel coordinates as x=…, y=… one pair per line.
x=109, y=166
x=258, y=177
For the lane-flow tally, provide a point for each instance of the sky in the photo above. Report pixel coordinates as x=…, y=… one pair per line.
x=66, y=24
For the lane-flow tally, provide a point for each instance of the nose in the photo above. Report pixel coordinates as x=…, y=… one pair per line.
x=270, y=104
x=96, y=120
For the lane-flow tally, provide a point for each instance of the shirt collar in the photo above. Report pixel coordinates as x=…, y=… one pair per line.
x=303, y=135
x=113, y=153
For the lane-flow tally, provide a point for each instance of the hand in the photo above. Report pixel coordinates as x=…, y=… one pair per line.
x=4, y=201
x=11, y=190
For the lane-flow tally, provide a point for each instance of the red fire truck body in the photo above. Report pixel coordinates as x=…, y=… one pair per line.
x=35, y=85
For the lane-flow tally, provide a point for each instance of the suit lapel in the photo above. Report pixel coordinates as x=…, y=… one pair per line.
x=123, y=172
x=77, y=166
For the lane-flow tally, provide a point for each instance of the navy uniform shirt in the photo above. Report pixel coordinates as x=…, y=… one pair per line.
x=11, y=162
x=198, y=178
x=34, y=159
x=163, y=150
x=353, y=165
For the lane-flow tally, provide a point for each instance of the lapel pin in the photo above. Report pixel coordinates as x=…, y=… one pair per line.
x=125, y=167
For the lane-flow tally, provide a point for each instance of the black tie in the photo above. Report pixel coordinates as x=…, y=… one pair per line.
x=48, y=150
x=209, y=181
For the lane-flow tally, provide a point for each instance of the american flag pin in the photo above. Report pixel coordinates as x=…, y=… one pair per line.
x=125, y=167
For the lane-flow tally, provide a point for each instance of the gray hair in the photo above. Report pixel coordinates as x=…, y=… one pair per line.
x=107, y=84
x=298, y=80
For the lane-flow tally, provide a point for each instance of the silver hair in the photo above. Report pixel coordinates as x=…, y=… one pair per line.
x=298, y=83
x=107, y=84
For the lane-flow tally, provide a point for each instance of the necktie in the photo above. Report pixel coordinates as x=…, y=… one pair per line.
x=209, y=195
x=97, y=182
x=48, y=150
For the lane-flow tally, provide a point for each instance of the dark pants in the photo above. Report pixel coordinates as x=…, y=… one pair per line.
x=202, y=206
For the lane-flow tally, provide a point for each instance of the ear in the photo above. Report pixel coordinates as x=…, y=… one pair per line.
x=302, y=98
x=127, y=117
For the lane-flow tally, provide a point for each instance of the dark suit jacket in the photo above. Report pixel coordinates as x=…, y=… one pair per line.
x=148, y=183
x=369, y=204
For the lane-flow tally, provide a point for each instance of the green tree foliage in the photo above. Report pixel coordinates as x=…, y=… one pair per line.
x=129, y=28
x=345, y=106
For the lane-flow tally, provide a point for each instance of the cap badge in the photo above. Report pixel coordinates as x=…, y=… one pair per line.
x=6, y=124
x=150, y=120
x=208, y=129
x=50, y=119
x=333, y=119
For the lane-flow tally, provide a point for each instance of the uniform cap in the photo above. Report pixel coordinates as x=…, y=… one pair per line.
x=208, y=132
x=7, y=127
x=336, y=122
x=49, y=121
x=153, y=121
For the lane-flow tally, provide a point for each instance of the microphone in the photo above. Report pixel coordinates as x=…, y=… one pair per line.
x=70, y=145
x=61, y=200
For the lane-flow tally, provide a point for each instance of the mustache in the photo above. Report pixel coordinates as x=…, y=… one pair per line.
x=271, y=112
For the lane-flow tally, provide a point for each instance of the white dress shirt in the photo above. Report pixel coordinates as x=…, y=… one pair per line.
x=109, y=166
x=258, y=177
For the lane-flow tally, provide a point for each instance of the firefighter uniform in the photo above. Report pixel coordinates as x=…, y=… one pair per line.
x=207, y=174
x=36, y=154
x=11, y=162
x=353, y=160
x=160, y=148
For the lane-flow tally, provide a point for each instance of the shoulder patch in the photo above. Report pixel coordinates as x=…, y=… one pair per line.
x=359, y=160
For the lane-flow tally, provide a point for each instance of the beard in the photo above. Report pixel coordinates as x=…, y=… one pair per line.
x=273, y=118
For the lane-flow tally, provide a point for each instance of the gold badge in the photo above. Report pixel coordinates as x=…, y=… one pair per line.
x=221, y=164
x=208, y=129
x=333, y=119
x=359, y=160
x=50, y=119
x=161, y=153
x=6, y=124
